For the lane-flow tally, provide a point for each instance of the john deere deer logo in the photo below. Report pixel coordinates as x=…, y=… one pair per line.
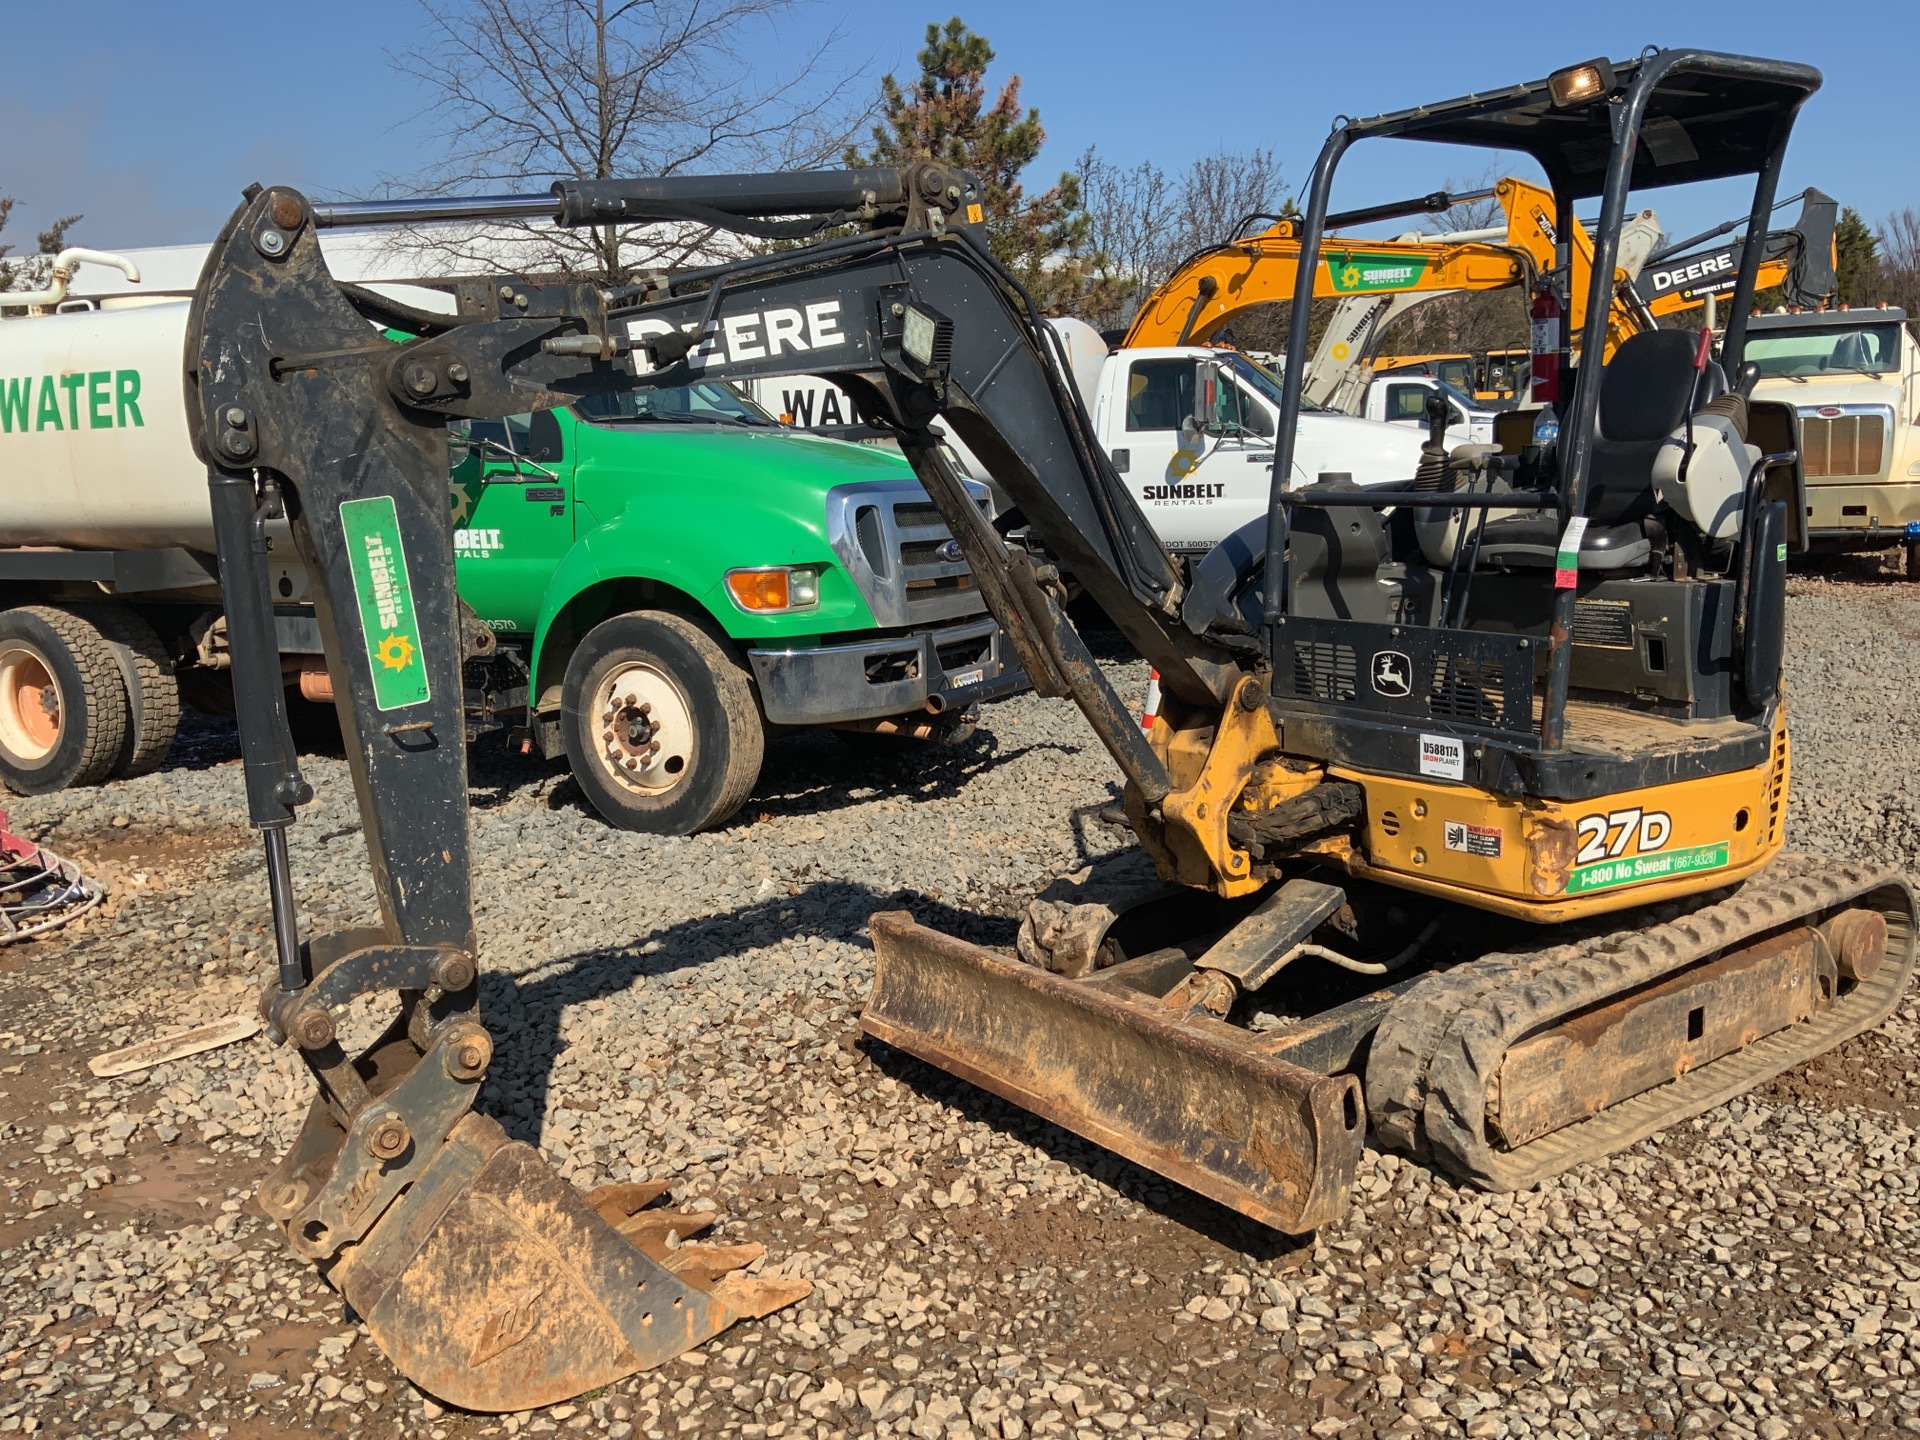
x=1392, y=674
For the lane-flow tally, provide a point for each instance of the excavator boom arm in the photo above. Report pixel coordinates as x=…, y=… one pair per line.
x=301, y=406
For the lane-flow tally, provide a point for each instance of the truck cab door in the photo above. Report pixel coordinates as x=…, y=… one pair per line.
x=1406, y=402
x=1193, y=485
x=512, y=515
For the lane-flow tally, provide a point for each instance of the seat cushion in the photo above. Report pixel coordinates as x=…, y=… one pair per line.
x=1647, y=387
x=1533, y=542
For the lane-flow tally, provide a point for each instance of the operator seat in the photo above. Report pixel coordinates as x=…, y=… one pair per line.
x=1647, y=391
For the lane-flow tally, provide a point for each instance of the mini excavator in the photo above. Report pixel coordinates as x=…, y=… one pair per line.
x=1462, y=815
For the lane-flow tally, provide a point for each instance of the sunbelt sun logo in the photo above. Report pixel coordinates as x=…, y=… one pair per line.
x=385, y=595
x=77, y=400
x=1354, y=273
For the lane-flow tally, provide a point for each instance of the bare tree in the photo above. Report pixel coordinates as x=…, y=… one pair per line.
x=1899, y=243
x=1145, y=223
x=1464, y=323
x=529, y=91
x=1127, y=210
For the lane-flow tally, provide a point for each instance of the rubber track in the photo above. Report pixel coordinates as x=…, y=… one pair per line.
x=1442, y=1043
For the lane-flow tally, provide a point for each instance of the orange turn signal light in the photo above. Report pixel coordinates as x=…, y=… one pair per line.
x=766, y=591
x=759, y=589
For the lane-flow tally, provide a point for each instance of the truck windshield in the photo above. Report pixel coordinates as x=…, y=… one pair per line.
x=706, y=402
x=1261, y=380
x=1824, y=350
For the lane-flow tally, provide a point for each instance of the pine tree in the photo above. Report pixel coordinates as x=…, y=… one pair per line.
x=1857, y=259
x=31, y=272
x=943, y=115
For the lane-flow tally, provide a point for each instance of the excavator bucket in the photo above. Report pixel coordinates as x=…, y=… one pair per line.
x=494, y=1285
x=1187, y=1096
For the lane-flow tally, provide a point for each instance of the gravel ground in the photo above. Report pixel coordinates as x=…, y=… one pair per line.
x=685, y=1009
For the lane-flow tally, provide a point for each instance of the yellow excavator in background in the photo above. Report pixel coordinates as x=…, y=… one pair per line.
x=1378, y=281
x=1676, y=279
x=1212, y=288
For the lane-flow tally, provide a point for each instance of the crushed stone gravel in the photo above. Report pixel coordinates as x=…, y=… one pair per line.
x=684, y=1009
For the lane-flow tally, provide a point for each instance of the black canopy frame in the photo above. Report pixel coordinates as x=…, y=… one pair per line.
x=1664, y=118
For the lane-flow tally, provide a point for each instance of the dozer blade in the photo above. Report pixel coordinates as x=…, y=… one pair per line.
x=1188, y=1098
x=494, y=1285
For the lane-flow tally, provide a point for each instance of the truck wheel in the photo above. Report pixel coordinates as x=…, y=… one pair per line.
x=63, y=706
x=1913, y=561
x=660, y=724
x=153, y=694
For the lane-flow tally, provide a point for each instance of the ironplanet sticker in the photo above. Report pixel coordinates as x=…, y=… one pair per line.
x=1359, y=274
x=385, y=596
x=1664, y=865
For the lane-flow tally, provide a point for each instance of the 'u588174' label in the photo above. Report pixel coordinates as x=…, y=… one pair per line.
x=1443, y=756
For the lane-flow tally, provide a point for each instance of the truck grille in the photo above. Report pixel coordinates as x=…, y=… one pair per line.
x=901, y=553
x=1842, y=445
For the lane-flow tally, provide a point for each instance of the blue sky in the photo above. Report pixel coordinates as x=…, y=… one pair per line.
x=117, y=116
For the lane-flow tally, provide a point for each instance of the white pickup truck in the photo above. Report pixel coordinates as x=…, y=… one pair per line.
x=1402, y=400
x=1197, y=484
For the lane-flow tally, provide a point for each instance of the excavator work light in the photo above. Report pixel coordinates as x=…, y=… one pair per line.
x=917, y=334
x=1578, y=84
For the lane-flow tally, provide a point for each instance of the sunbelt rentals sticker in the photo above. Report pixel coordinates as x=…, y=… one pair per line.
x=385, y=595
x=1357, y=273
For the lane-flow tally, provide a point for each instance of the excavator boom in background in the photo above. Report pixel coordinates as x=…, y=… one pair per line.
x=1378, y=281
x=1461, y=816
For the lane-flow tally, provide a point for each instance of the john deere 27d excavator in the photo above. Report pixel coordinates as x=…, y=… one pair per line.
x=1463, y=807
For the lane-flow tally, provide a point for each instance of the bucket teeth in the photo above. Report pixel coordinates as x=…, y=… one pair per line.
x=494, y=1285
x=703, y=1264
x=614, y=1203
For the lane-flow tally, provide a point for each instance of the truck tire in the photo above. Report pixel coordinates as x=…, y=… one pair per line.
x=1913, y=561
x=63, y=705
x=153, y=694
x=660, y=724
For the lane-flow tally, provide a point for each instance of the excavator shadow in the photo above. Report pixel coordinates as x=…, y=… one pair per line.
x=522, y=1078
x=809, y=775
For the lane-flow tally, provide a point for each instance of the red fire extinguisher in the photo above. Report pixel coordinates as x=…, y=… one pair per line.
x=1544, y=315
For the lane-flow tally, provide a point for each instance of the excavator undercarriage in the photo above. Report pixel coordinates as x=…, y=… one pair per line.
x=1461, y=819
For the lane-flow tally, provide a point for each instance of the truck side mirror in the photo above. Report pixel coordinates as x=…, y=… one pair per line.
x=1205, y=417
x=544, y=445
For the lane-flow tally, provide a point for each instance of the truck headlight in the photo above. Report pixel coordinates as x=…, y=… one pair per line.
x=774, y=590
